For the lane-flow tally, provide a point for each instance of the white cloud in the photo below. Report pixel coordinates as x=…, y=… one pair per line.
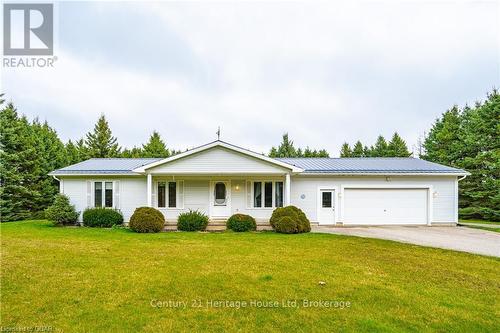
x=324, y=72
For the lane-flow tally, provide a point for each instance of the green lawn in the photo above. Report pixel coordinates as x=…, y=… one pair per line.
x=80, y=279
x=479, y=221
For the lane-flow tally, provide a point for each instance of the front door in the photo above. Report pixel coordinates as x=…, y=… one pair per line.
x=220, y=199
x=326, y=207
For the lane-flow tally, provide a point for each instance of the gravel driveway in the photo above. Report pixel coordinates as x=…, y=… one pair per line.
x=453, y=238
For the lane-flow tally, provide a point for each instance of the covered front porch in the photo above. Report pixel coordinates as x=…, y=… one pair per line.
x=218, y=196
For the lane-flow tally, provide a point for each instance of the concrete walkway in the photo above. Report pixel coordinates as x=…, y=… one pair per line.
x=453, y=238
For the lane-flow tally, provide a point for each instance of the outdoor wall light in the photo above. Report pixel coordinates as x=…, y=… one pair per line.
x=237, y=187
x=387, y=179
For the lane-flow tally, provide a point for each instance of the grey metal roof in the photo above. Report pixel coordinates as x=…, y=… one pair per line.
x=310, y=165
x=105, y=166
x=369, y=165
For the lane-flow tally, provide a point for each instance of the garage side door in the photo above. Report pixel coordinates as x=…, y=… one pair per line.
x=385, y=206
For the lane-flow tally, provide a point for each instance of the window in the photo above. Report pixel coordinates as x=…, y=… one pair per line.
x=161, y=194
x=278, y=194
x=167, y=194
x=103, y=194
x=108, y=194
x=257, y=194
x=98, y=194
x=268, y=194
x=220, y=194
x=326, y=199
x=172, y=194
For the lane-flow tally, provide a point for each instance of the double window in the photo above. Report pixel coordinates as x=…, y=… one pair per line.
x=103, y=194
x=267, y=194
x=167, y=193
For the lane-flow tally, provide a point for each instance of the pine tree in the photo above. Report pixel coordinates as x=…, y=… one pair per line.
x=50, y=156
x=18, y=167
x=442, y=143
x=397, y=147
x=135, y=152
x=380, y=149
x=285, y=149
x=480, y=155
x=155, y=147
x=345, y=151
x=101, y=142
x=358, y=150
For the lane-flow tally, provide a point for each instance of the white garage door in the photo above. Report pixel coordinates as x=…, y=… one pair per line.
x=385, y=206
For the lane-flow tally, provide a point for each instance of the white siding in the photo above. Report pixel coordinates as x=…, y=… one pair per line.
x=196, y=193
x=217, y=161
x=443, y=196
x=132, y=193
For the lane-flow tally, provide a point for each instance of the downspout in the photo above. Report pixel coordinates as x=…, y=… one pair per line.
x=456, y=204
x=59, y=181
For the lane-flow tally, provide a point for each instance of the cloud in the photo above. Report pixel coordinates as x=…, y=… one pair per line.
x=325, y=72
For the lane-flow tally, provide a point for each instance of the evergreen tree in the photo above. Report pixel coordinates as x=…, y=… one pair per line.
x=155, y=147
x=470, y=139
x=397, y=147
x=480, y=155
x=50, y=156
x=443, y=142
x=132, y=153
x=285, y=149
x=358, y=150
x=83, y=150
x=101, y=142
x=380, y=149
x=345, y=151
x=18, y=167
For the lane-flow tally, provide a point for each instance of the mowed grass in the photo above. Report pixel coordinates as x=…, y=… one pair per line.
x=81, y=279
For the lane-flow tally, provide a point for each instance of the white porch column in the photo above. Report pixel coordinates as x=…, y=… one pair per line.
x=150, y=190
x=287, y=189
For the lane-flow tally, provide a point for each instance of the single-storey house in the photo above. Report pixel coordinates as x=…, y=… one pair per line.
x=221, y=179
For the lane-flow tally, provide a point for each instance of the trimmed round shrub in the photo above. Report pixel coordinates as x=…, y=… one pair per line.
x=61, y=212
x=303, y=224
x=286, y=225
x=147, y=219
x=102, y=217
x=192, y=221
x=241, y=222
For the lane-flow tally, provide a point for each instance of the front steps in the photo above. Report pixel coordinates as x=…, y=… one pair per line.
x=216, y=225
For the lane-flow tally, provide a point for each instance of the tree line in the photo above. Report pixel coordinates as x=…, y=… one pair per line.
x=467, y=138
x=396, y=147
x=29, y=150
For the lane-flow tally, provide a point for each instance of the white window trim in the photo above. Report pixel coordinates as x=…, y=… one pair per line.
x=103, y=193
x=178, y=183
x=263, y=181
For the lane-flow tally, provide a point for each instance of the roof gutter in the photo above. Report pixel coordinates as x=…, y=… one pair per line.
x=382, y=174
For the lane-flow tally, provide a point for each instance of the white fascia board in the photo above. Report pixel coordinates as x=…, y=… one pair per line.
x=292, y=168
x=382, y=174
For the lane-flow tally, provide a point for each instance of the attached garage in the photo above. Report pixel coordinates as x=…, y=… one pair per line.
x=386, y=206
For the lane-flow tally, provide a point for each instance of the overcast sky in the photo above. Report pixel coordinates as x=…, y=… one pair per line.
x=324, y=72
